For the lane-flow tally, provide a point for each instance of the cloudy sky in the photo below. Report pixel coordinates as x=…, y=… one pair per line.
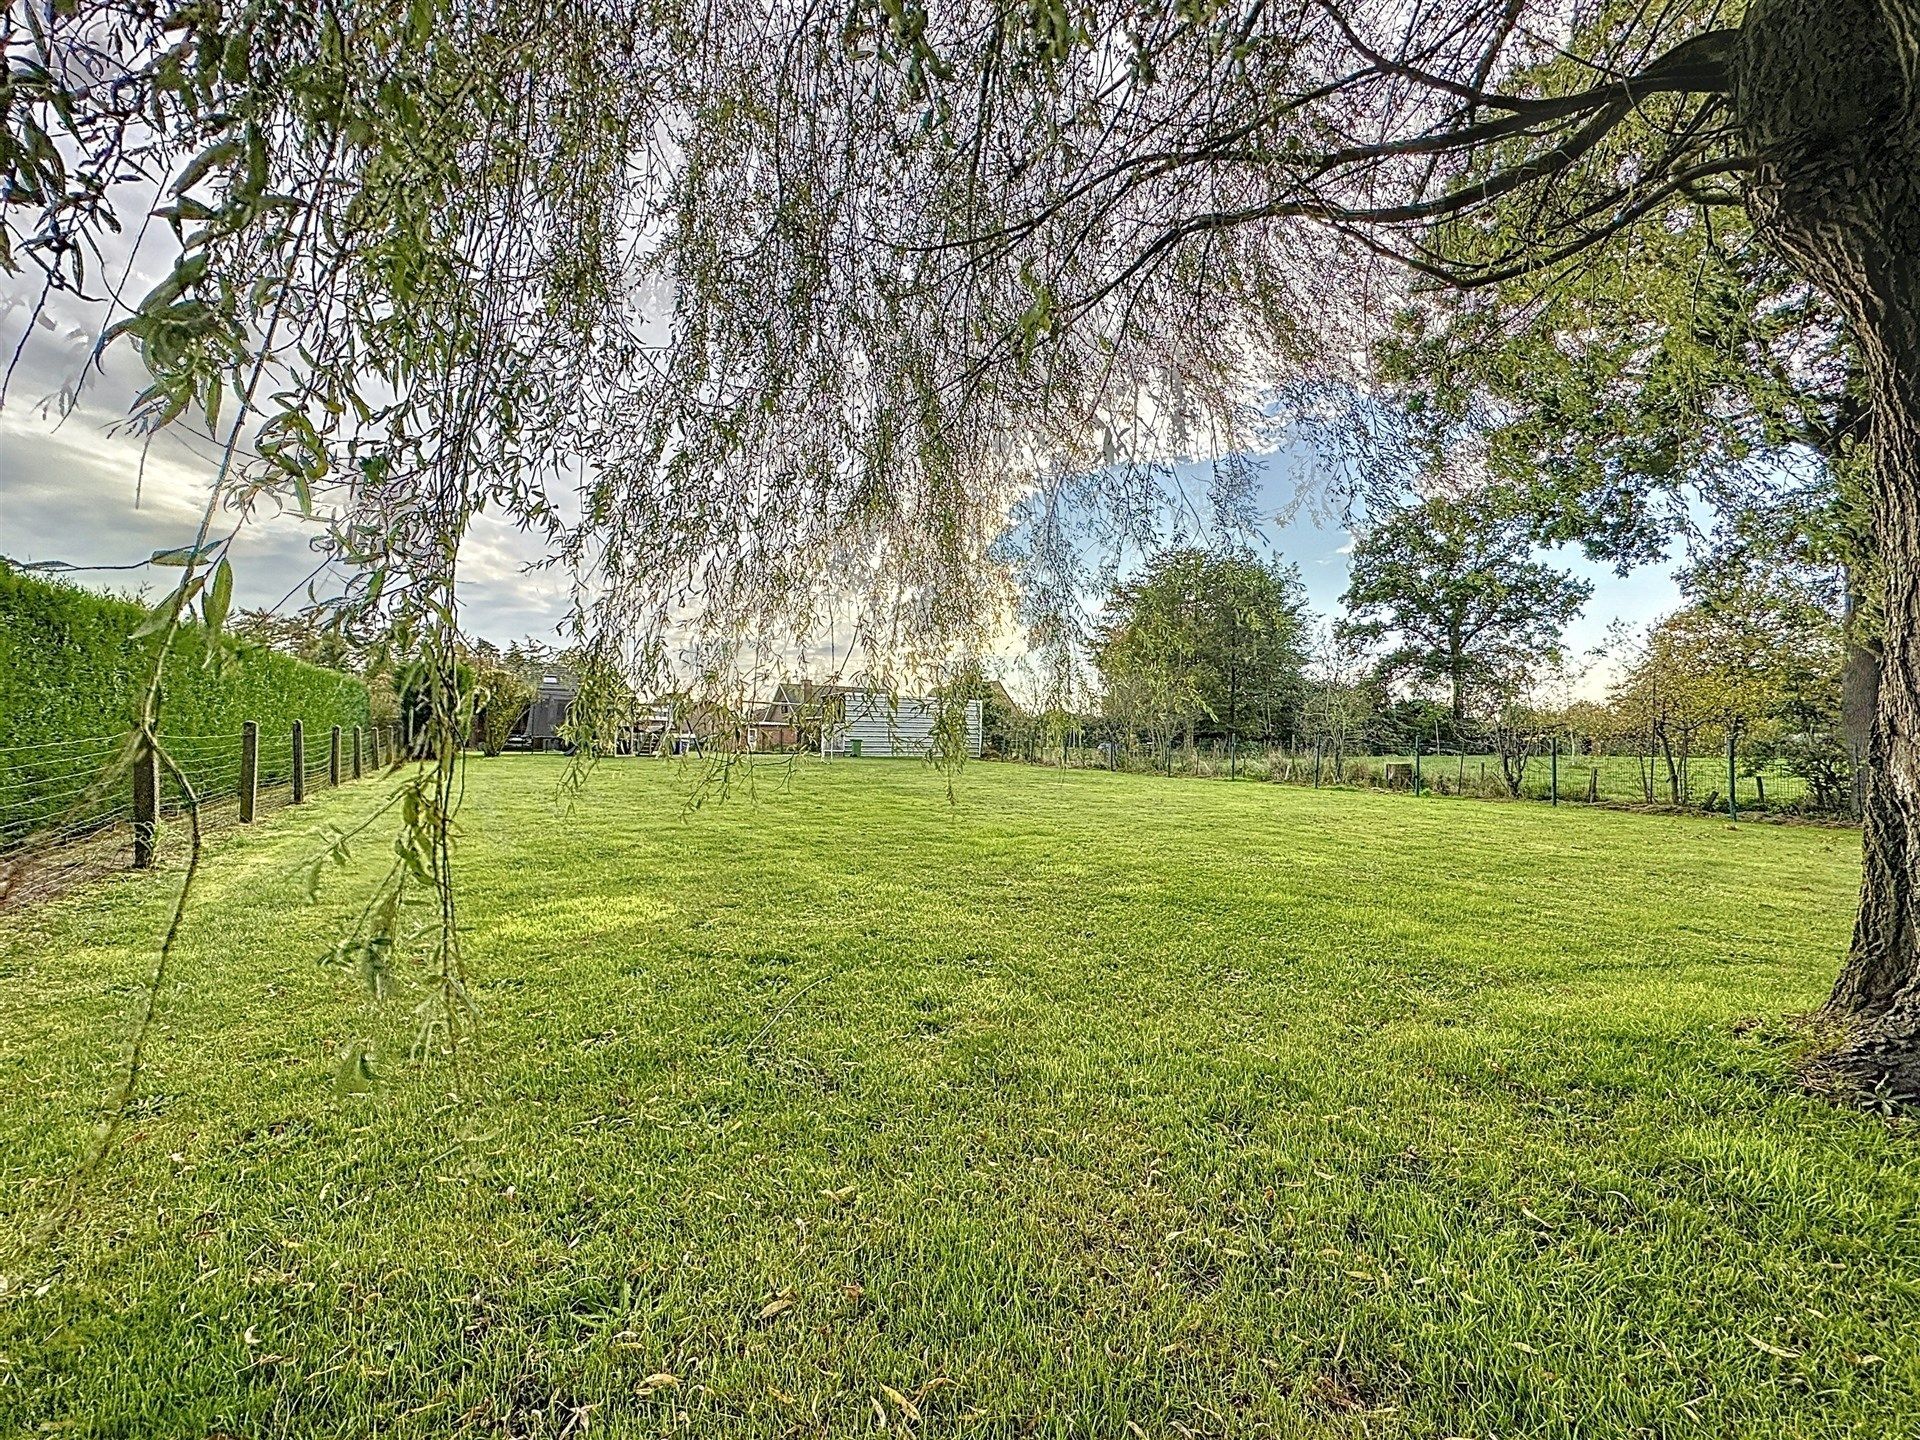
x=83, y=488
x=77, y=488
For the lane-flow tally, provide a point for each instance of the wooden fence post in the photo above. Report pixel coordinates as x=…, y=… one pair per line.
x=249, y=770
x=299, y=762
x=1593, y=785
x=333, y=757
x=356, y=752
x=146, y=805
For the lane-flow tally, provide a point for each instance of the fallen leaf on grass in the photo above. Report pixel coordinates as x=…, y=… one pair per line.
x=902, y=1403
x=660, y=1380
x=779, y=1305
x=1773, y=1349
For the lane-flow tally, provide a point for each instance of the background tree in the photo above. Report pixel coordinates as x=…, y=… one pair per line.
x=999, y=716
x=500, y=703
x=1342, y=697
x=1206, y=645
x=305, y=635
x=1456, y=596
x=503, y=692
x=1681, y=689
x=1782, y=614
x=1754, y=659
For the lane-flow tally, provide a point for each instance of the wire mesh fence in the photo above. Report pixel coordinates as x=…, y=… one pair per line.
x=1700, y=782
x=74, y=809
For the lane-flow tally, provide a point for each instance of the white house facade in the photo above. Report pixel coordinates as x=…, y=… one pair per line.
x=876, y=725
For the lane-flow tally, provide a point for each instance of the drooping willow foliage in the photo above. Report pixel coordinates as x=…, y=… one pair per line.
x=776, y=316
x=402, y=286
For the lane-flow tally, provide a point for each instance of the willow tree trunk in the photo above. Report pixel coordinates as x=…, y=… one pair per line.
x=1827, y=93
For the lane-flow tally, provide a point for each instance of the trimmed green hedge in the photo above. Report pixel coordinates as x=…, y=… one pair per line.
x=71, y=681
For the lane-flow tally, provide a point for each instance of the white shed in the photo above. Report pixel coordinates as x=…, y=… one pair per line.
x=875, y=724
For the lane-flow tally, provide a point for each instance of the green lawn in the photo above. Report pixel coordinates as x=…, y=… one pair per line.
x=1087, y=1105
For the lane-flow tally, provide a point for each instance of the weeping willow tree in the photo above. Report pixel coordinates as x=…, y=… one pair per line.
x=400, y=283
x=781, y=319
x=1042, y=244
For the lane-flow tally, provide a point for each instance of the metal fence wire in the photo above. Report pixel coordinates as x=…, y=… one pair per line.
x=1546, y=772
x=72, y=809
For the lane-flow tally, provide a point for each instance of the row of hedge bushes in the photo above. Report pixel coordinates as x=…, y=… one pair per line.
x=72, y=674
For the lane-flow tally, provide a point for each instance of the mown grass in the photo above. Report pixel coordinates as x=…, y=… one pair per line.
x=1083, y=1105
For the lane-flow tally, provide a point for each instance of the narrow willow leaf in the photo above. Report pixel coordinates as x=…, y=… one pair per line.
x=219, y=595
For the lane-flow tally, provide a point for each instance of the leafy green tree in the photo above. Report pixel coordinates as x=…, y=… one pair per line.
x=1783, y=629
x=1457, y=598
x=1754, y=657
x=1693, y=362
x=305, y=635
x=1342, y=697
x=1684, y=686
x=999, y=716
x=1206, y=645
x=1608, y=400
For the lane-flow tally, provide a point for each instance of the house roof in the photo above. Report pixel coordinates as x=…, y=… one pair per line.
x=790, y=696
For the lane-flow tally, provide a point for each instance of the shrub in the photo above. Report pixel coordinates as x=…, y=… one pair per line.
x=72, y=675
x=502, y=698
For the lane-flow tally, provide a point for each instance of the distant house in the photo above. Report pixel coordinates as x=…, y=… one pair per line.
x=678, y=724
x=543, y=725
x=797, y=715
x=871, y=723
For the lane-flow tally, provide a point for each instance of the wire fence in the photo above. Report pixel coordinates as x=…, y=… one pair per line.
x=76, y=809
x=1701, y=783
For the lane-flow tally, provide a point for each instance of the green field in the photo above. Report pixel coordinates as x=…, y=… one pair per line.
x=1083, y=1105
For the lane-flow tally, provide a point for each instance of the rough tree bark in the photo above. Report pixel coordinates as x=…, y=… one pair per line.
x=1827, y=93
x=1457, y=671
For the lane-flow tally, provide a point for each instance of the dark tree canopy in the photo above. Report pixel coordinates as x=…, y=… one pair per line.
x=1206, y=645
x=1689, y=365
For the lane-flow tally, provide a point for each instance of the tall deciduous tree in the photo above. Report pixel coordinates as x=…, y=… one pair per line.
x=1605, y=402
x=1206, y=645
x=1457, y=597
x=1781, y=609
